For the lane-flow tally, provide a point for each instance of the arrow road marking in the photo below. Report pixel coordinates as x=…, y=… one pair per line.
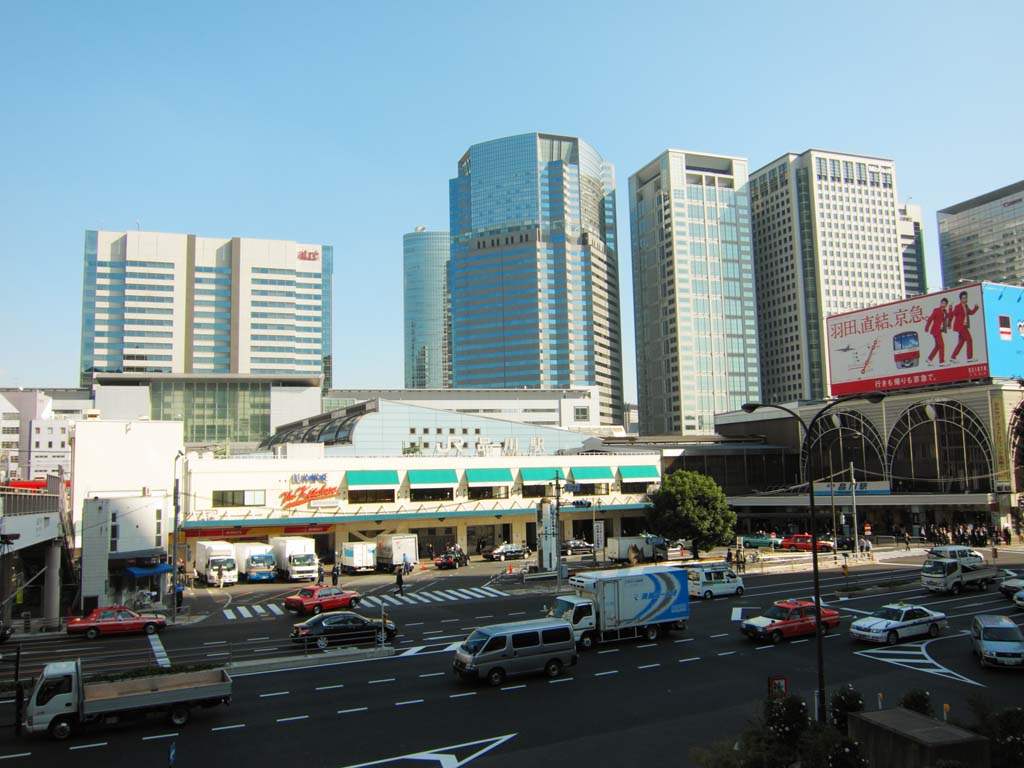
x=445, y=757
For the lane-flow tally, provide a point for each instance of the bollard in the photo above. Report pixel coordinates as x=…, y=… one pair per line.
x=879, y=700
x=945, y=712
x=26, y=619
x=995, y=553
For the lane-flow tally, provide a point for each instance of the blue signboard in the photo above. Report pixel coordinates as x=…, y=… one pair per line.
x=1004, y=329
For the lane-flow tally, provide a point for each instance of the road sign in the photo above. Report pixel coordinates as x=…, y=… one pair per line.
x=571, y=487
x=599, y=542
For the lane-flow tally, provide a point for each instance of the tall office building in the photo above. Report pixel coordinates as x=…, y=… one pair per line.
x=825, y=241
x=428, y=357
x=693, y=291
x=915, y=281
x=155, y=302
x=983, y=238
x=534, y=274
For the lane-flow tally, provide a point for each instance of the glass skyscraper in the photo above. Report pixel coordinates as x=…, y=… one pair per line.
x=533, y=276
x=693, y=291
x=428, y=361
x=983, y=238
x=156, y=302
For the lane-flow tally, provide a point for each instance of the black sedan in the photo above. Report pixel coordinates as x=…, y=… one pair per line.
x=505, y=552
x=446, y=560
x=339, y=627
x=576, y=547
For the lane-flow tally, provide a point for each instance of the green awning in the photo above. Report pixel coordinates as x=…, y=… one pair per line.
x=591, y=473
x=372, y=478
x=432, y=478
x=478, y=477
x=537, y=475
x=640, y=472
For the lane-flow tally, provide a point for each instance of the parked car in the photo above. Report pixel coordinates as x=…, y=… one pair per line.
x=758, y=540
x=1018, y=599
x=997, y=641
x=576, y=547
x=318, y=599
x=802, y=542
x=343, y=627
x=115, y=620
x=505, y=552
x=787, y=619
x=1010, y=583
x=898, y=621
x=446, y=560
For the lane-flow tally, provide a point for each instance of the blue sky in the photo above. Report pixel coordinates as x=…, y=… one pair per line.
x=341, y=123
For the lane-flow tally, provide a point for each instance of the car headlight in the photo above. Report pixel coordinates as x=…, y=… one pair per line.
x=989, y=654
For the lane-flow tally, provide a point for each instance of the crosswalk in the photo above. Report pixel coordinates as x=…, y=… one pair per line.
x=259, y=611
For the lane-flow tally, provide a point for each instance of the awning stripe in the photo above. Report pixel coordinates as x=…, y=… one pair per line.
x=640, y=472
x=366, y=478
x=541, y=474
x=432, y=478
x=591, y=473
x=477, y=477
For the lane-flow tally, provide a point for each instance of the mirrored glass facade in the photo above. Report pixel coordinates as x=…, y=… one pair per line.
x=533, y=276
x=983, y=238
x=425, y=293
x=214, y=411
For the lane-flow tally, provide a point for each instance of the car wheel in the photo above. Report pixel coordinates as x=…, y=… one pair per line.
x=60, y=728
x=316, y=610
x=354, y=602
x=933, y=630
x=553, y=668
x=739, y=591
x=496, y=677
x=381, y=637
x=652, y=632
x=823, y=628
x=587, y=641
x=92, y=633
x=776, y=637
x=322, y=642
x=708, y=595
x=150, y=628
x=179, y=716
x=983, y=585
x=893, y=637
x=502, y=558
x=955, y=589
x=792, y=548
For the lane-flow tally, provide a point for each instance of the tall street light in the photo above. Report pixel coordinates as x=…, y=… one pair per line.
x=874, y=397
x=174, y=541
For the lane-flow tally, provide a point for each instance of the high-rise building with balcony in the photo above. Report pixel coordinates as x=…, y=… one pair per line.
x=983, y=238
x=162, y=303
x=693, y=291
x=915, y=281
x=428, y=356
x=826, y=240
x=533, y=276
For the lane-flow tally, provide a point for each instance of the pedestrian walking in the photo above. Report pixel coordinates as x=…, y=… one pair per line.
x=728, y=556
x=406, y=565
x=220, y=577
x=335, y=573
x=398, y=582
x=430, y=551
x=179, y=593
x=320, y=573
x=906, y=541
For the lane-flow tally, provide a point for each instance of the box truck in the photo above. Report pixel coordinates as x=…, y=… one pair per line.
x=358, y=556
x=255, y=561
x=645, y=601
x=648, y=547
x=214, y=558
x=392, y=546
x=952, y=575
x=296, y=557
x=62, y=701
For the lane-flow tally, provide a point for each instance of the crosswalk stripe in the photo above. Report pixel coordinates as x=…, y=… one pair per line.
x=243, y=612
x=467, y=593
x=450, y=595
x=259, y=610
x=418, y=597
x=371, y=600
x=476, y=592
x=390, y=599
x=408, y=600
x=275, y=609
x=229, y=614
x=433, y=598
x=495, y=592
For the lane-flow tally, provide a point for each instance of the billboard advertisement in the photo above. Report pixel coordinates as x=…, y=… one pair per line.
x=1004, y=329
x=938, y=338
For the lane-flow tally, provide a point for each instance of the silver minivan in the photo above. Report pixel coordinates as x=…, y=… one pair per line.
x=965, y=555
x=498, y=651
x=998, y=641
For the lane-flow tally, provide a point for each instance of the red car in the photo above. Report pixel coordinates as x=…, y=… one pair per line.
x=788, y=618
x=318, y=599
x=802, y=542
x=115, y=620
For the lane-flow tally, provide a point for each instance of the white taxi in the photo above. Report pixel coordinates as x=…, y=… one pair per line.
x=898, y=621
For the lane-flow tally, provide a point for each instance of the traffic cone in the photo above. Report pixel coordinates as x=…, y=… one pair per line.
x=510, y=569
x=423, y=565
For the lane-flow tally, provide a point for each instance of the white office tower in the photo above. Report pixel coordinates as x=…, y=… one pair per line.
x=826, y=241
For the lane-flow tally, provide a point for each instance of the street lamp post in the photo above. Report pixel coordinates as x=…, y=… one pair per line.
x=808, y=478
x=174, y=542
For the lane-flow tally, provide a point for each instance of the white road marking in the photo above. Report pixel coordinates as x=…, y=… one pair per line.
x=350, y=711
x=763, y=647
x=449, y=621
x=329, y=687
x=609, y=672
x=214, y=655
x=414, y=624
x=692, y=658
x=160, y=736
x=217, y=642
x=433, y=632
x=684, y=640
x=292, y=719
x=451, y=594
x=485, y=616
x=461, y=695
x=561, y=680
x=89, y=746
x=610, y=650
x=517, y=613
x=432, y=596
x=797, y=642
x=276, y=609
x=158, y=651
x=259, y=610
x=432, y=674
x=390, y=599
x=228, y=614
x=406, y=703
x=19, y=754
x=257, y=639
x=493, y=591
x=723, y=634
x=228, y=727
x=383, y=680
x=648, y=666
x=371, y=601
x=243, y=612
x=648, y=645
x=276, y=693
x=727, y=653
x=408, y=600
x=513, y=687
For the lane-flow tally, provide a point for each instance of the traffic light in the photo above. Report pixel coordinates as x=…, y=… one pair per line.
x=581, y=503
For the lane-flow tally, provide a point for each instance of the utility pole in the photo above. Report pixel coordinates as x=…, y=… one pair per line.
x=174, y=542
x=853, y=496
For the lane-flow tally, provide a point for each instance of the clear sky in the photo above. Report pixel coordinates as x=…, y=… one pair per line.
x=341, y=123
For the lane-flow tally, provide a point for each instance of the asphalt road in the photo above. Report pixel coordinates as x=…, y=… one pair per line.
x=623, y=703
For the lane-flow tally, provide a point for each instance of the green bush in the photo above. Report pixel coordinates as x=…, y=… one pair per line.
x=825, y=746
x=786, y=717
x=844, y=701
x=918, y=700
x=1005, y=732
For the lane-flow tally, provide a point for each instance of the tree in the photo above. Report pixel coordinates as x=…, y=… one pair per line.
x=692, y=506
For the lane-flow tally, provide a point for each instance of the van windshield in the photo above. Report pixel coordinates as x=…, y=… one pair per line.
x=1002, y=635
x=936, y=568
x=227, y=563
x=308, y=559
x=562, y=609
x=475, y=641
x=262, y=561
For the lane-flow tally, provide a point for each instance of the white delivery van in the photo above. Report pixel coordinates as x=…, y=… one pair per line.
x=714, y=580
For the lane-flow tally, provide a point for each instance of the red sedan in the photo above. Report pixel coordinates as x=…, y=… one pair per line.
x=802, y=542
x=789, y=618
x=318, y=599
x=116, y=620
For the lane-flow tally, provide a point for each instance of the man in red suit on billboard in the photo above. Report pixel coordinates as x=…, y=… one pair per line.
x=936, y=325
x=960, y=317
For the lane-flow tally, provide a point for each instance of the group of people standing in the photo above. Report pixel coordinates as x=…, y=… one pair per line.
x=335, y=574
x=957, y=319
x=967, y=535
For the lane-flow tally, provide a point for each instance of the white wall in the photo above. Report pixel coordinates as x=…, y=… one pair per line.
x=128, y=403
x=288, y=404
x=118, y=458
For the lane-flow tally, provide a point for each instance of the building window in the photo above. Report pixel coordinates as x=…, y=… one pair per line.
x=581, y=413
x=239, y=498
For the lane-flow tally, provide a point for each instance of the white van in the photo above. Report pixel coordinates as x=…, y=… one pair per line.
x=710, y=581
x=997, y=641
x=516, y=648
x=965, y=555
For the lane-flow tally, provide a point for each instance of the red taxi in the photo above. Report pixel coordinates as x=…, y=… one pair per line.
x=787, y=619
x=318, y=599
x=802, y=542
x=115, y=620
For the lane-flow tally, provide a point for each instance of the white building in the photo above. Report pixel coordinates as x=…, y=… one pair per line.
x=49, y=447
x=10, y=441
x=825, y=241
